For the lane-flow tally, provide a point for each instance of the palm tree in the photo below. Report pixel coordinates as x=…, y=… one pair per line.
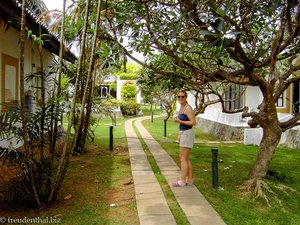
x=36, y=7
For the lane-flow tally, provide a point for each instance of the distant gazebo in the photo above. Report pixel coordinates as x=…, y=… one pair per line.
x=120, y=84
x=105, y=90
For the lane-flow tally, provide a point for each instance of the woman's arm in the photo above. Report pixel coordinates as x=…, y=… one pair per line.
x=190, y=114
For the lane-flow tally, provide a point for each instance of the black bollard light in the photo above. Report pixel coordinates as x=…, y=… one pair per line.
x=214, y=165
x=165, y=128
x=111, y=138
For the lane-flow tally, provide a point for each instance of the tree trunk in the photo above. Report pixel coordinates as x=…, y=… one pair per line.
x=63, y=162
x=88, y=82
x=23, y=105
x=43, y=110
x=271, y=137
x=269, y=142
x=59, y=75
x=89, y=110
x=57, y=94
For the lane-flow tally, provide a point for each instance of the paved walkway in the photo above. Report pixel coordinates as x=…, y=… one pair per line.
x=151, y=204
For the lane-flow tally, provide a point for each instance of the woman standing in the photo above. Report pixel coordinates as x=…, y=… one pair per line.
x=186, y=136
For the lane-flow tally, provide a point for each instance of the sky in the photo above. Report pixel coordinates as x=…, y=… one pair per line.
x=58, y=4
x=54, y=4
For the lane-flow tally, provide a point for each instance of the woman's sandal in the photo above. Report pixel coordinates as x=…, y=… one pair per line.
x=178, y=184
x=190, y=184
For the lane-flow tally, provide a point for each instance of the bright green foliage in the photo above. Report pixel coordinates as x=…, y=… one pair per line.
x=113, y=86
x=109, y=103
x=130, y=108
x=130, y=72
x=65, y=81
x=128, y=92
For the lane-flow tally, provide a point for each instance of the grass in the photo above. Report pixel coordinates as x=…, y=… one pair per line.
x=106, y=182
x=148, y=112
x=99, y=178
x=93, y=182
x=234, y=206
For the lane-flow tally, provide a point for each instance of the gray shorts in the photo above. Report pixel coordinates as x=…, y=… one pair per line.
x=187, y=138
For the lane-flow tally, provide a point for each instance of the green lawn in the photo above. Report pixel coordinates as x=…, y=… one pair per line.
x=99, y=178
x=234, y=206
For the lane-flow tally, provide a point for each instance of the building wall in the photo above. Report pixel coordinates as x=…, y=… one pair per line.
x=10, y=52
x=223, y=131
x=253, y=98
x=9, y=45
x=234, y=127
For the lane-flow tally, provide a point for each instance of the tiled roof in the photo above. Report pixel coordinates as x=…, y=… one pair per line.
x=10, y=11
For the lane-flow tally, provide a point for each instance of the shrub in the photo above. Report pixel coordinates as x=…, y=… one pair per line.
x=130, y=108
x=110, y=103
x=128, y=91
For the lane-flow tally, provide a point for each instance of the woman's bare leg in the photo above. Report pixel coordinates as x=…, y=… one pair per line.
x=190, y=173
x=184, y=164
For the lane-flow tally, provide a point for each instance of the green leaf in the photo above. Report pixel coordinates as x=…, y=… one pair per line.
x=146, y=38
x=177, y=27
x=220, y=48
x=234, y=33
x=221, y=12
x=207, y=32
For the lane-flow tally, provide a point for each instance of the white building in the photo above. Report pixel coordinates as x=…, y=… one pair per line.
x=10, y=53
x=234, y=127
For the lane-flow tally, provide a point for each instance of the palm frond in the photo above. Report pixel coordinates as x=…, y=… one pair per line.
x=9, y=124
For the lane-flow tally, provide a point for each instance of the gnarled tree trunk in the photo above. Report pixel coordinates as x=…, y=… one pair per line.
x=269, y=142
x=271, y=137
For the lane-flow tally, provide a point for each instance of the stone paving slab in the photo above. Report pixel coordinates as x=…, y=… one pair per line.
x=147, y=188
x=204, y=221
x=157, y=219
x=195, y=206
x=151, y=204
x=151, y=195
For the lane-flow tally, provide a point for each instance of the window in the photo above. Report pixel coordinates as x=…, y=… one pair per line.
x=9, y=81
x=280, y=101
x=104, y=91
x=296, y=97
x=234, y=97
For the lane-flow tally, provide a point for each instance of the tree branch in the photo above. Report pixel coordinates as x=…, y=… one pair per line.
x=181, y=62
x=275, y=49
x=192, y=9
x=290, y=123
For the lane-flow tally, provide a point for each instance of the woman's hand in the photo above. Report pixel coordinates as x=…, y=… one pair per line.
x=177, y=120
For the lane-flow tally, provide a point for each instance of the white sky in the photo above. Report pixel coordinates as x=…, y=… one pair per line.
x=54, y=4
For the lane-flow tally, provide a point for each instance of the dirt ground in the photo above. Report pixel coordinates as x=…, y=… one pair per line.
x=80, y=187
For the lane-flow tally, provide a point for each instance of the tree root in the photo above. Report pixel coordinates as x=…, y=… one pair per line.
x=285, y=189
x=262, y=190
